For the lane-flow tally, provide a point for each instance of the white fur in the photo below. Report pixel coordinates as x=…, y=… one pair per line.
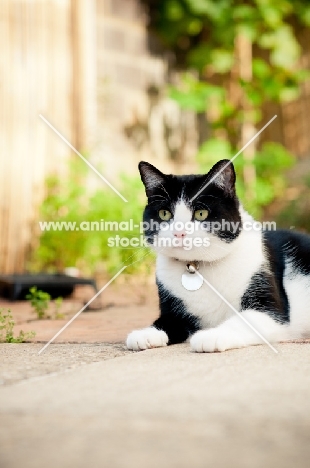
x=146, y=338
x=297, y=287
x=182, y=213
x=229, y=275
x=234, y=333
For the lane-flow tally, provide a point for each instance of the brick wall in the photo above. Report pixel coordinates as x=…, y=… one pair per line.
x=135, y=120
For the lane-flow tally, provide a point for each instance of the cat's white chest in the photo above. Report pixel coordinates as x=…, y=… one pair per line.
x=228, y=279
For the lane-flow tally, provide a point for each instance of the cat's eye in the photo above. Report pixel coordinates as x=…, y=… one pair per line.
x=201, y=215
x=164, y=215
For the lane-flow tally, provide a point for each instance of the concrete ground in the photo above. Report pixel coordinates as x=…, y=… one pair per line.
x=104, y=407
x=95, y=404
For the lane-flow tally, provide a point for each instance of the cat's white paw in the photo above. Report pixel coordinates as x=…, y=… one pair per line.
x=146, y=338
x=216, y=339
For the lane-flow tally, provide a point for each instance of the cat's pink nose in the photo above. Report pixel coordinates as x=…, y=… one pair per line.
x=180, y=234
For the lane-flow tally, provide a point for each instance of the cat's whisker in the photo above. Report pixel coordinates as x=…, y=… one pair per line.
x=204, y=195
x=139, y=259
x=140, y=249
x=158, y=202
x=156, y=195
x=163, y=188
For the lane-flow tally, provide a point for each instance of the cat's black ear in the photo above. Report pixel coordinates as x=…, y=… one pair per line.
x=151, y=177
x=223, y=176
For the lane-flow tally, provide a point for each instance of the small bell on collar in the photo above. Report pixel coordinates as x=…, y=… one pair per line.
x=190, y=279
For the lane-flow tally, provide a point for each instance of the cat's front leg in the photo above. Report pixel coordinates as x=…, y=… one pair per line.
x=174, y=325
x=169, y=328
x=235, y=333
x=146, y=338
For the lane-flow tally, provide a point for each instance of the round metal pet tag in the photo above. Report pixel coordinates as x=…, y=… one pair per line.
x=191, y=281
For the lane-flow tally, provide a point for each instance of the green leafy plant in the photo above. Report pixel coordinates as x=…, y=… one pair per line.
x=69, y=200
x=7, y=329
x=236, y=58
x=40, y=301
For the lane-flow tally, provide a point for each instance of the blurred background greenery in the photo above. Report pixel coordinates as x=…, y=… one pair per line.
x=180, y=83
x=242, y=57
x=89, y=250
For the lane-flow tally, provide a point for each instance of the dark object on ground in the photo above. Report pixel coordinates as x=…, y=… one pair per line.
x=16, y=287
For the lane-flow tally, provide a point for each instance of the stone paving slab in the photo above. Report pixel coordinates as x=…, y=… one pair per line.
x=20, y=362
x=247, y=408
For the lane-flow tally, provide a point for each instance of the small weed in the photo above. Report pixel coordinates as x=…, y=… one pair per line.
x=40, y=301
x=6, y=329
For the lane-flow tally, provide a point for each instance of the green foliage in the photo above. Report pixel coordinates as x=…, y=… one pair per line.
x=69, y=199
x=40, y=301
x=7, y=329
x=197, y=95
x=203, y=34
x=186, y=25
x=271, y=164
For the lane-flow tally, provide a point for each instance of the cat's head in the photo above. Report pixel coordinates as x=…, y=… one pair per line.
x=191, y=217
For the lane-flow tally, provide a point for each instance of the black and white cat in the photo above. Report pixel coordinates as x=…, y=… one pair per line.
x=264, y=275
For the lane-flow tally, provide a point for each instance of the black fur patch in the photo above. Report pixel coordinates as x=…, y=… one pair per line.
x=174, y=318
x=291, y=245
x=266, y=291
x=265, y=295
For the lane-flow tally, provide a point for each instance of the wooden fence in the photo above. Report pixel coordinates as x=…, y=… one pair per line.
x=44, y=69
